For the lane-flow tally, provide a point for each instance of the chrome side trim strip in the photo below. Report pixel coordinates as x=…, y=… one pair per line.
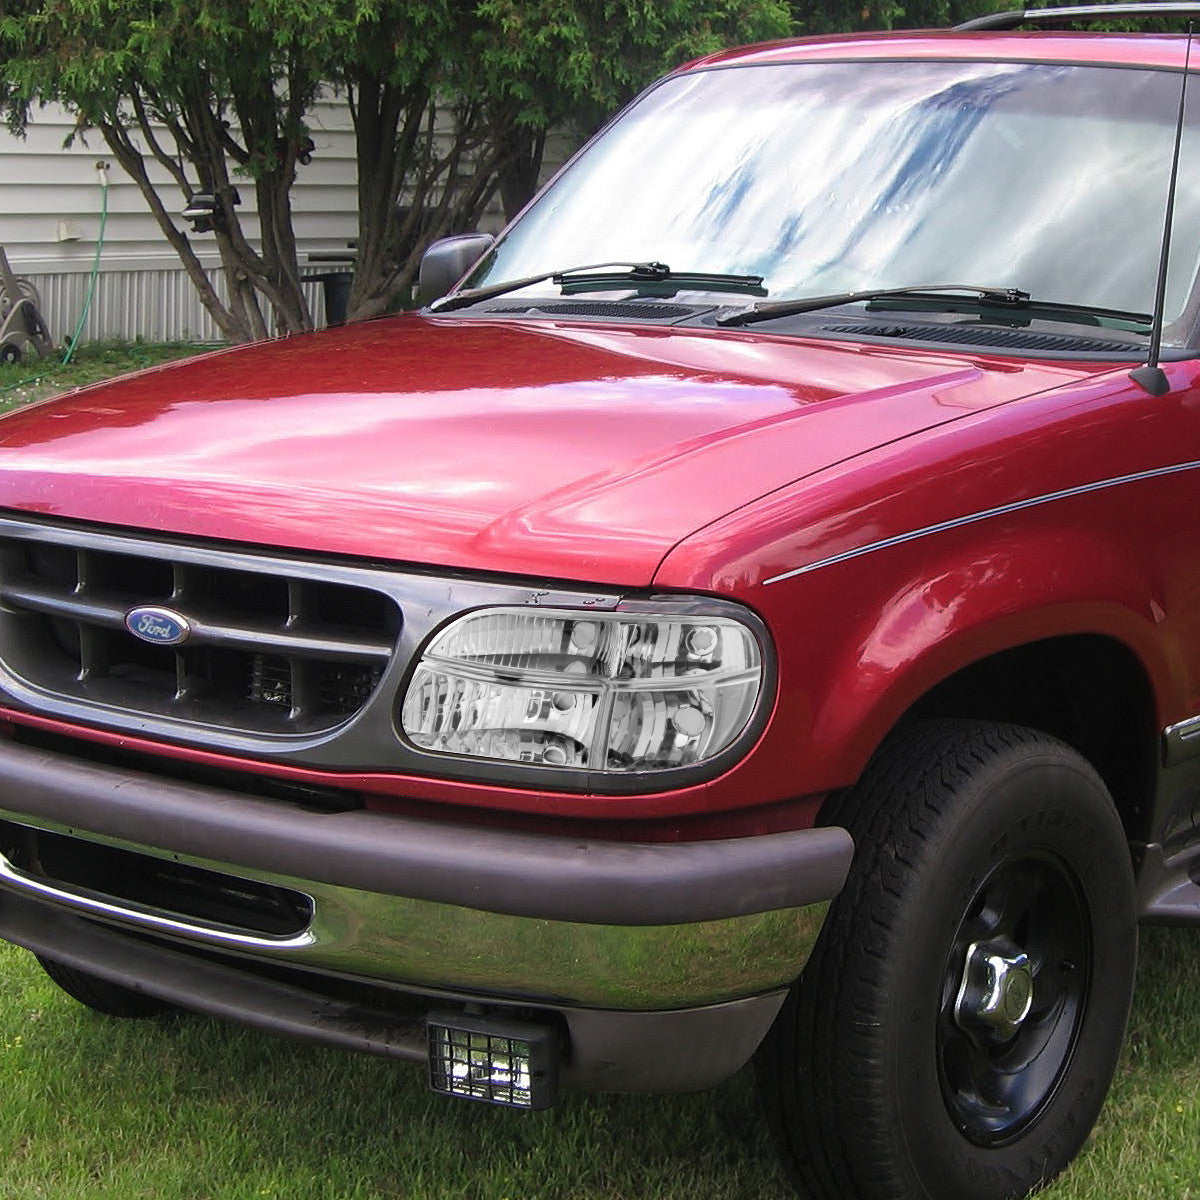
x=1181, y=741
x=983, y=515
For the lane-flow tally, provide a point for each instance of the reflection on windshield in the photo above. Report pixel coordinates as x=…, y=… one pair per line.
x=829, y=177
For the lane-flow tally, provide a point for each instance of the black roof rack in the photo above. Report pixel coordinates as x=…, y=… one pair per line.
x=1079, y=12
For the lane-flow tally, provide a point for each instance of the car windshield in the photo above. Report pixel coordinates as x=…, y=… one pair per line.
x=832, y=177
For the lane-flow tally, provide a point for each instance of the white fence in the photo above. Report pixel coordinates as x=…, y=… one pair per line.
x=156, y=304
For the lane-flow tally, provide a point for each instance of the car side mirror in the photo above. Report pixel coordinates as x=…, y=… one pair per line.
x=447, y=260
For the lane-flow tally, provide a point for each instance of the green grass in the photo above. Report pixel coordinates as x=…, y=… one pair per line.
x=191, y=1109
x=22, y=383
x=1147, y=1145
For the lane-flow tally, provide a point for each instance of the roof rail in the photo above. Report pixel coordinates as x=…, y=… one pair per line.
x=1079, y=12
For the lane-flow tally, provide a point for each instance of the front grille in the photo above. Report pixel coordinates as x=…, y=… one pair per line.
x=266, y=653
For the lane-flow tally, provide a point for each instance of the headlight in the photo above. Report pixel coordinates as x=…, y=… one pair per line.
x=614, y=692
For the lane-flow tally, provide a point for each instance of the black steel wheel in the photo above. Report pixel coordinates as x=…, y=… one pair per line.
x=1013, y=996
x=10, y=352
x=957, y=1028
x=101, y=995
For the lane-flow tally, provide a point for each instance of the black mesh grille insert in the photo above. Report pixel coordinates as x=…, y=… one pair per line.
x=986, y=335
x=161, y=885
x=596, y=308
x=265, y=652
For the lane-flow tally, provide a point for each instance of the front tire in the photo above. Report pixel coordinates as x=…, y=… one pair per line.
x=958, y=1025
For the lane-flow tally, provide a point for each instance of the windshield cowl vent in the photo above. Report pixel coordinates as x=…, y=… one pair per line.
x=982, y=335
x=558, y=308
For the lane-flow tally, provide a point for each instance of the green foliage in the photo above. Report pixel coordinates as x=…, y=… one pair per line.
x=209, y=90
x=559, y=58
x=847, y=16
x=95, y=55
x=451, y=102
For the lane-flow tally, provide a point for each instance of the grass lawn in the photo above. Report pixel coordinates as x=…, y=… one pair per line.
x=22, y=383
x=191, y=1109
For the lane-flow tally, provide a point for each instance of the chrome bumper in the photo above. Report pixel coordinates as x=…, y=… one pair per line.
x=440, y=907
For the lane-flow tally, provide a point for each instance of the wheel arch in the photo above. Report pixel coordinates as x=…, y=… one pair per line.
x=1061, y=635
x=1090, y=691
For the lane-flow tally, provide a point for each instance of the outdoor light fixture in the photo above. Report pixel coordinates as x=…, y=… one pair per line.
x=201, y=209
x=203, y=212
x=499, y=1062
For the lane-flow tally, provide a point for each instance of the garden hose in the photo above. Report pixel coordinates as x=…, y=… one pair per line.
x=10, y=387
x=102, y=167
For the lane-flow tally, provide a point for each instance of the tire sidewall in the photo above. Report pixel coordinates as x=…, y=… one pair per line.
x=1029, y=804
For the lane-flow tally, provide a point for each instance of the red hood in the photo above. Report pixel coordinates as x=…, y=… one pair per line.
x=577, y=452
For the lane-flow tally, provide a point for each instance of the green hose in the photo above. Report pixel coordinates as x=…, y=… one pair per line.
x=10, y=387
x=87, y=303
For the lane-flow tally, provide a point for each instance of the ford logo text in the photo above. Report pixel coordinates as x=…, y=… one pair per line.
x=159, y=626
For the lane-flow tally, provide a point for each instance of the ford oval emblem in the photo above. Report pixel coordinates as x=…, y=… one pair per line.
x=159, y=626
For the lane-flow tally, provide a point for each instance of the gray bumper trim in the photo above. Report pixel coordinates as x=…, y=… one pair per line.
x=493, y=870
x=674, y=1051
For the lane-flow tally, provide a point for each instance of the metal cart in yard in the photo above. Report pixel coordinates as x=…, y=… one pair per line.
x=22, y=328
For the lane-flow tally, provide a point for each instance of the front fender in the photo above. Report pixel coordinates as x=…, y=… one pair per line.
x=950, y=605
x=1064, y=514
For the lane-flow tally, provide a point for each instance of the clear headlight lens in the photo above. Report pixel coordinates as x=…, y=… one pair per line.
x=590, y=691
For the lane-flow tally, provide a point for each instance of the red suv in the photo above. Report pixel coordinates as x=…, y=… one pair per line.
x=754, y=612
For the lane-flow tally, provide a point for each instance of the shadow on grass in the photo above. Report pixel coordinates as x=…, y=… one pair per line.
x=193, y=1108
x=188, y=1108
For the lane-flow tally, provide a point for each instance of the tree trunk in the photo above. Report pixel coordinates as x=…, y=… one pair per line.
x=230, y=324
x=519, y=173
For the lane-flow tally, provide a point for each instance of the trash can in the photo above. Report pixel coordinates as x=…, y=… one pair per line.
x=335, y=283
x=336, y=286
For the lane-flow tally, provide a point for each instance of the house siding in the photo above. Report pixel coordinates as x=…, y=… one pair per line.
x=141, y=288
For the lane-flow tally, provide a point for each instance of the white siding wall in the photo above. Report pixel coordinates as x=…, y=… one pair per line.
x=141, y=290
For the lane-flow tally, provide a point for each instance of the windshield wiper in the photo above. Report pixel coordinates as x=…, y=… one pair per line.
x=602, y=275
x=656, y=274
x=954, y=294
